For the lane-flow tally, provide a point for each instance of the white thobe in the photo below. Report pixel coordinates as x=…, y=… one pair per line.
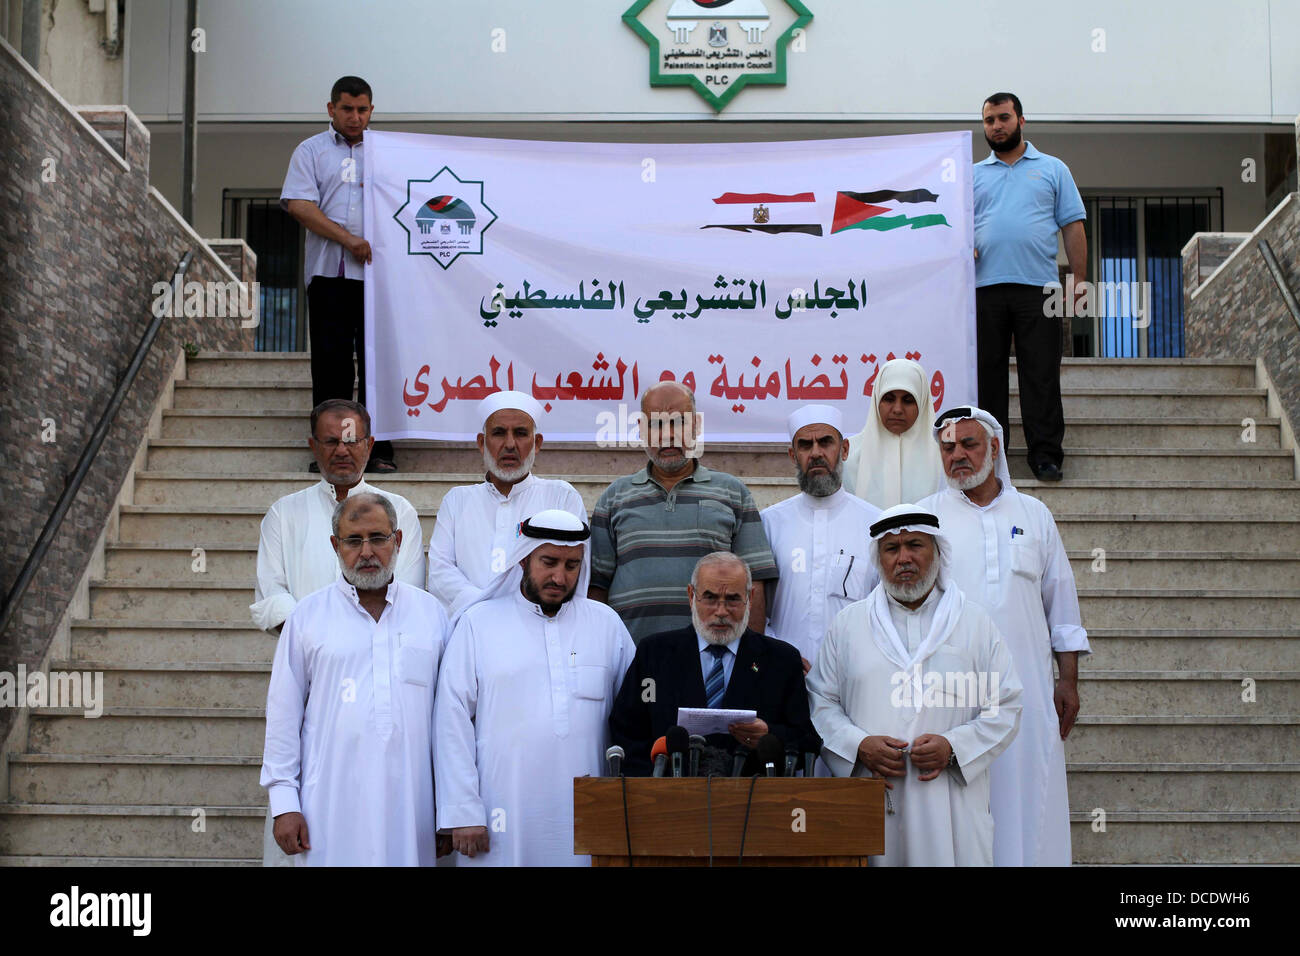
x=349, y=733
x=475, y=533
x=295, y=558
x=1025, y=582
x=821, y=546
x=523, y=708
x=855, y=691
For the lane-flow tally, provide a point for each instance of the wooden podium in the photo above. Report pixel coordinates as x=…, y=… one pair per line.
x=793, y=821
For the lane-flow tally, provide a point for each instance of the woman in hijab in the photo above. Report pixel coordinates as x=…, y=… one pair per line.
x=895, y=457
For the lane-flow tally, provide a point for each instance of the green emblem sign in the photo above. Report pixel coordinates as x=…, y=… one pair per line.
x=718, y=47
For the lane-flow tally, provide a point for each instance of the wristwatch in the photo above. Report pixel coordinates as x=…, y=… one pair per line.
x=952, y=759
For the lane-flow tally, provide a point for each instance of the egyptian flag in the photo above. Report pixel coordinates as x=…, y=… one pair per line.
x=862, y=210
x=762, y=208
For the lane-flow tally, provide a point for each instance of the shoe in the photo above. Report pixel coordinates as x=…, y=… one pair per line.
x=381, y=466
x=1048, y=472
x=314, y=468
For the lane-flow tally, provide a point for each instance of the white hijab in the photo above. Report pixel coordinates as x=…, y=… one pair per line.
x=887, y=469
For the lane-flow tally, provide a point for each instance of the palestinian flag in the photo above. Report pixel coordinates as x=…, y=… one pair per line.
x=855, y=210
x=759, y=215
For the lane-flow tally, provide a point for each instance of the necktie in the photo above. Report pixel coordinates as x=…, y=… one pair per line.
x=715, y=685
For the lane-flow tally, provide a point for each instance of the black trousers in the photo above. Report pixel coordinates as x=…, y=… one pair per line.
x=336, y=314
x=1008, y=312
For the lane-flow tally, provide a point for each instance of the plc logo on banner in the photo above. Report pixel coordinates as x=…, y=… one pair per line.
x=718, y=47
x=444, y=217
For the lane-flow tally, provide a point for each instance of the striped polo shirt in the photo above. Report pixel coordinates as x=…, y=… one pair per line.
x=645, y=542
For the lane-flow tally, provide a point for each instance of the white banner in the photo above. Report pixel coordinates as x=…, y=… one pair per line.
x=764, y=275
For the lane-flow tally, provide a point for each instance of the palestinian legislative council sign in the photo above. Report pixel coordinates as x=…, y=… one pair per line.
x=718, y=47
x=765, y=276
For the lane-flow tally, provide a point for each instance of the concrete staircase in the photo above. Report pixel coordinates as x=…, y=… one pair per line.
x=1200, y=592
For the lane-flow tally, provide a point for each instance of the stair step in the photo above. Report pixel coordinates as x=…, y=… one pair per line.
x=102, y=830
x=425, y=492
x=227, y=731
x=1194, y=648
x=183, y=684
x=1169, y=607
x=1267, y=738
x=1178, y=532
x=204, y=526
x=118, y=779
x=1207, y=569
x=150, y=562
x=267, y=455
x=144, y=641
x=290, y=422
x=1174, y=787
x=1200, y=838
x=115, y=861
x=1188, y=692
x=163, y=600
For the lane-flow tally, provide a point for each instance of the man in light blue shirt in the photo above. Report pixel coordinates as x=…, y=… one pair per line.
x=1022, y=198
x=324, y=190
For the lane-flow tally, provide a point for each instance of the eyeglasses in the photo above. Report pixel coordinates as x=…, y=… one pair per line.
x=376, y=541
x=329, y=444
x=732, y=601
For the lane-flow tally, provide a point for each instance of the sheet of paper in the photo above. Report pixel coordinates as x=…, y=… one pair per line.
x=704, y=721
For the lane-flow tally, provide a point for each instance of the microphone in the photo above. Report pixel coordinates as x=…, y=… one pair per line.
x=811, y=746
x=614, y=761
x=679, y=741
x=791, y=761
x=698, y=744
x=659, y=754
x=770, y=750
x=741, y=758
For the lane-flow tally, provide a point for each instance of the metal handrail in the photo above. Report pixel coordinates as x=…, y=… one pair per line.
x=1279, y=277
x=87, y=458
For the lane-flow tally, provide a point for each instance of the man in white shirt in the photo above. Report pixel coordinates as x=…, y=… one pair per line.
x=524, y=693
x=475, y=531
x=819, y=537
x=1008, y=557
x=294, y=557
x=324, y=191
x=348, y=762
x=915, y=685
x=293, y=554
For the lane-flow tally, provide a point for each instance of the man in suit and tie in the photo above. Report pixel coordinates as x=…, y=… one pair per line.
x=718, y=663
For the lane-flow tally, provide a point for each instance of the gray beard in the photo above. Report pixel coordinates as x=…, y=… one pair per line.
x=975, y=480
x=916, y=591
x=669, y=467
x=368, y=580
x=512, y=474
x=702, y=629
x=822, y=486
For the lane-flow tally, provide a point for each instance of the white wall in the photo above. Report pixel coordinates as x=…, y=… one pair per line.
x=1165, y=60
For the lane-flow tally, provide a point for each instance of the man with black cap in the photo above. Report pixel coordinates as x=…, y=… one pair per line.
x=1008, y=557
x=524, y=695
x=915, y=685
